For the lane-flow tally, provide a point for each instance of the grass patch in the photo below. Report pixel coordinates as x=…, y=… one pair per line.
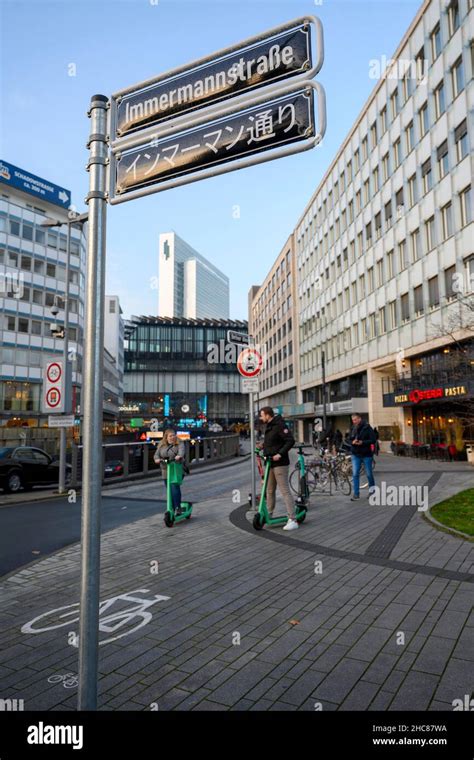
x=457, y=512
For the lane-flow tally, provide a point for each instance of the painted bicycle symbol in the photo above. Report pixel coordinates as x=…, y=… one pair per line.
x=131, y=618
x=69, y=680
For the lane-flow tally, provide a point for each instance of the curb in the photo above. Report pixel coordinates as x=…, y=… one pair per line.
x=445, y=528
x=54, y=495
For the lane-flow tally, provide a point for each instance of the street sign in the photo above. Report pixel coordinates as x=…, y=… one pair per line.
x=286, y=121
x=61, y=421
x=250, y=362
x=56, y=389
x=240, y=339
x=266, y=59
x=40, y=188
x=249, y=385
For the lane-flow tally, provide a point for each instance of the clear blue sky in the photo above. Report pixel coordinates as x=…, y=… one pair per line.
x=117, y=43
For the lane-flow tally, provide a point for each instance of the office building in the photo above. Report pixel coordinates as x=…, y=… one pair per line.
x=189, y=285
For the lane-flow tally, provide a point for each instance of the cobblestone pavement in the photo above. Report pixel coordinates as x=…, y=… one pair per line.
x=363, y=608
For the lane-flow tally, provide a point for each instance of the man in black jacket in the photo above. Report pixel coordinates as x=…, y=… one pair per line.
x=276, y=444
x=362, y=439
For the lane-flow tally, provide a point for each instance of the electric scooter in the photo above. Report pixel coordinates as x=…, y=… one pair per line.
x=263, y=517
x=174, y=475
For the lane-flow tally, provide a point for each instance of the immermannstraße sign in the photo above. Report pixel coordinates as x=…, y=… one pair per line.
x=280, y=57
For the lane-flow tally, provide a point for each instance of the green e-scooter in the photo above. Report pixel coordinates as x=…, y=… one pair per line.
x=263, y=516
x=174, y=476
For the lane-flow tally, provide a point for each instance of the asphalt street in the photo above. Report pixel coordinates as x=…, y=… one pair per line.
x=31, y=530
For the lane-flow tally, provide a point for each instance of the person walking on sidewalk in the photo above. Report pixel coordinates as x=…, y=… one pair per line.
x=170, y=449
x=277, y=442
x=362, y=439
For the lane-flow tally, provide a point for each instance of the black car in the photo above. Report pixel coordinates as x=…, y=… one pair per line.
x=113, y=468
x=26, y=466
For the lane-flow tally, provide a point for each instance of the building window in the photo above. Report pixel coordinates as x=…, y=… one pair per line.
x=383, y=120
x=370, y=279
x=38, y=297
x=364, y=148
x=427, y=176
x=111, y=307
x=469, y=265
x=12, y=259
x=436, y=42
x=410, y=137
x=430, y=233
x=402, y=255
x=22, y=325
x=380, y=280
x=388, y=215
x=385, y=168
x=358, y=201
x=405, y=308
x=40, y=236
x=415, y=245
x=378, y=226
x=372, y=329
x=418, y=297
x=376, y=179
x=368, y=233
x=457, y=74
x=49, y=299
x=51, y=270
x=399, y=203
x=449, y=275
x=11, y=323
x=447, y=219
x=412, y=190
x=25, y=295
x=392, y=315
x=420, y=64
x=406, y=86
x=440, y=103
x=14, y=227
x=443, y=159
x=39, y=266
x=460, y=137
x=394, y=103
x=373, y=134
x=366, y=192
x=465, y=197
x=35, y=327
x=27, y=231
x=424, y=121
x=391, y=264
x=453, y=17
x=26, y=263
x=433, y=290
x=52, y=239
x=397, y=157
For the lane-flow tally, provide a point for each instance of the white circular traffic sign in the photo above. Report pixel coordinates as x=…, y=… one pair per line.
x=53, y=372
x=250, y=362
x=185, y=408
x=53, y=398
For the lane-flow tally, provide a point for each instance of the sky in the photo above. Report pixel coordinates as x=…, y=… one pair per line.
x=239, y=220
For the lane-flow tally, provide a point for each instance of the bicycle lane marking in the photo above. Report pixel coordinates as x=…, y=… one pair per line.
x=107, y=624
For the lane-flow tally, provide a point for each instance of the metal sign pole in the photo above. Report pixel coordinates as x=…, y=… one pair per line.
x=62, y=431
x=92, y=407
x=252, y=448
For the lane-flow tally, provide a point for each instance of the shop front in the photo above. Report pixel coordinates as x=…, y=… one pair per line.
x=439, y=416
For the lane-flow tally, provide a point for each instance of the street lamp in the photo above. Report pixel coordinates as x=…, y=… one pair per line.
x=74, y=220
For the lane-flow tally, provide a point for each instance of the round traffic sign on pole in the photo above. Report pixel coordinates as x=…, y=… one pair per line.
x=250, y=362
x=53, y=372
x=53, y=397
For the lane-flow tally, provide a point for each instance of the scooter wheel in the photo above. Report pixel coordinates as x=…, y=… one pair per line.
x=169, y=520
x=302, y=517
x=188, y=517
x=257, y=522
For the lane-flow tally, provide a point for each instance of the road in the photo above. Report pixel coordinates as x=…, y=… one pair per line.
x=29, y=531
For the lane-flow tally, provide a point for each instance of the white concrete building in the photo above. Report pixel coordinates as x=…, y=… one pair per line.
x=114, y=338
x=188, y=284
x=385, y=247
x=32, y=280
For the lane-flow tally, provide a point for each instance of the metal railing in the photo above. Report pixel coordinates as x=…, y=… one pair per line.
x=134, y=460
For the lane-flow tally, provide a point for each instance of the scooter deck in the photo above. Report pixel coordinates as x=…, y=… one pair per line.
x=187, y=508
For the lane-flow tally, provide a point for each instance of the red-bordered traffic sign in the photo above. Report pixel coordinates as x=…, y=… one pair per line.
x=53, y=398
x=54, y=372
x=250, y=362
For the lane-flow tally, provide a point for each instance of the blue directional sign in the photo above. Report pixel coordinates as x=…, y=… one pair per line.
x=30, y=183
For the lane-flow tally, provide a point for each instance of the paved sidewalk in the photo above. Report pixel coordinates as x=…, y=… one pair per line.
x=362, y=608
